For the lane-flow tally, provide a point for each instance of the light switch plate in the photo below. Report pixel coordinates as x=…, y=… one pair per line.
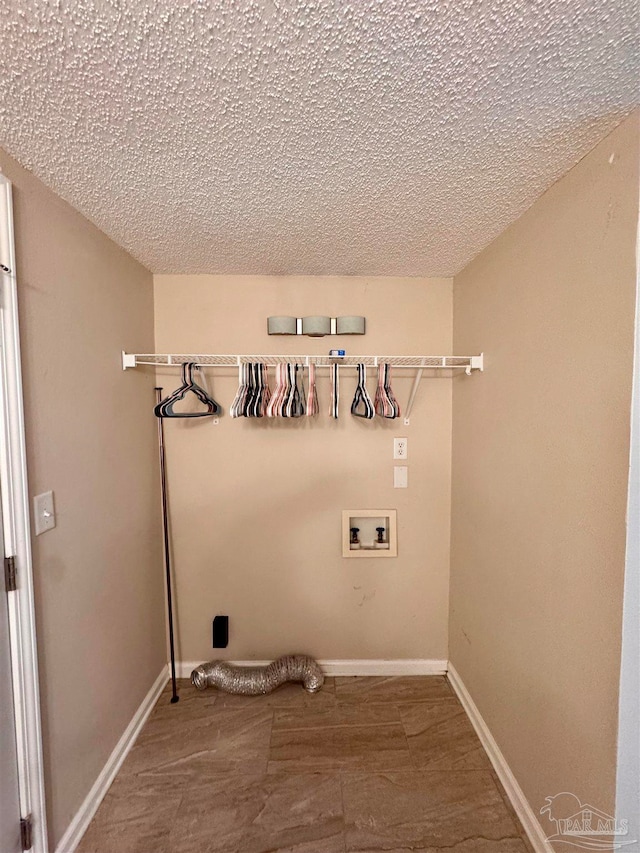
x=400, y=477
x=44, y=512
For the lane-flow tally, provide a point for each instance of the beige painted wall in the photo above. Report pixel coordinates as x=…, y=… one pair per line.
x=256, y=505
x=91, y=438
x=540, y=466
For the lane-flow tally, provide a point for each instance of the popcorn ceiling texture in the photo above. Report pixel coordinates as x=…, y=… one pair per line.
x=389, y=137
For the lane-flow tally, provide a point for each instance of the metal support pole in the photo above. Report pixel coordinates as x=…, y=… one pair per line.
x=167, y=555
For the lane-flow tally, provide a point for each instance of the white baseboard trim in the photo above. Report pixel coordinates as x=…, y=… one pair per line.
x=527, y=816
x=403, y=666
x=89, y=807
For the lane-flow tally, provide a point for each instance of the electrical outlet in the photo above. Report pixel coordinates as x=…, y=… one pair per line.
x=400, y=448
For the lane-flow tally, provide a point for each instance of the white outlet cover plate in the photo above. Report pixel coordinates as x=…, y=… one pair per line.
x=400, y=477
x=44, y=512
x=400, y=448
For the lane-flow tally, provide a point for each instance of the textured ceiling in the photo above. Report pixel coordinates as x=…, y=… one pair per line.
x=389, y=137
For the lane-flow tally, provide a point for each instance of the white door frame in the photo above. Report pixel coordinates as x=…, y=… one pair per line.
x=628, y=769
x=17, y=541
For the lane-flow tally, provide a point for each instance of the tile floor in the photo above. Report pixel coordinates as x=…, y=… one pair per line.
x=367, y=764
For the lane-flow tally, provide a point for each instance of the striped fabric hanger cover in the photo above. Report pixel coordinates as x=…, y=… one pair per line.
x=386, y=404
x=362, y=407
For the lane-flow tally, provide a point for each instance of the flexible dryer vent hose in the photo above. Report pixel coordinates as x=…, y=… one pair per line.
x=254, y=680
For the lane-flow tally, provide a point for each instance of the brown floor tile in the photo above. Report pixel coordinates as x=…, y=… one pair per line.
x=341, y=714
x=381, y=747
x=134, y=817
x=272, y=774
x=256, y=814
x=472, y=845
x=214, y=813
x=440, y=736
x=299, y=812
x=233, y=740
x=416, y=810
x=393, y=689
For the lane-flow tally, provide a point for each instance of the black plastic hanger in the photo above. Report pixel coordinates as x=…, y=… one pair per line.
x=164, y=409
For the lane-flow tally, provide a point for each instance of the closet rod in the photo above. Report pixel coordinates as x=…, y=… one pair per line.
x=422, y=362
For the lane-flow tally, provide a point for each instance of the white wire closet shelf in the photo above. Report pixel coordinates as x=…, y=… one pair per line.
x=426, y=362
x=419, y=363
